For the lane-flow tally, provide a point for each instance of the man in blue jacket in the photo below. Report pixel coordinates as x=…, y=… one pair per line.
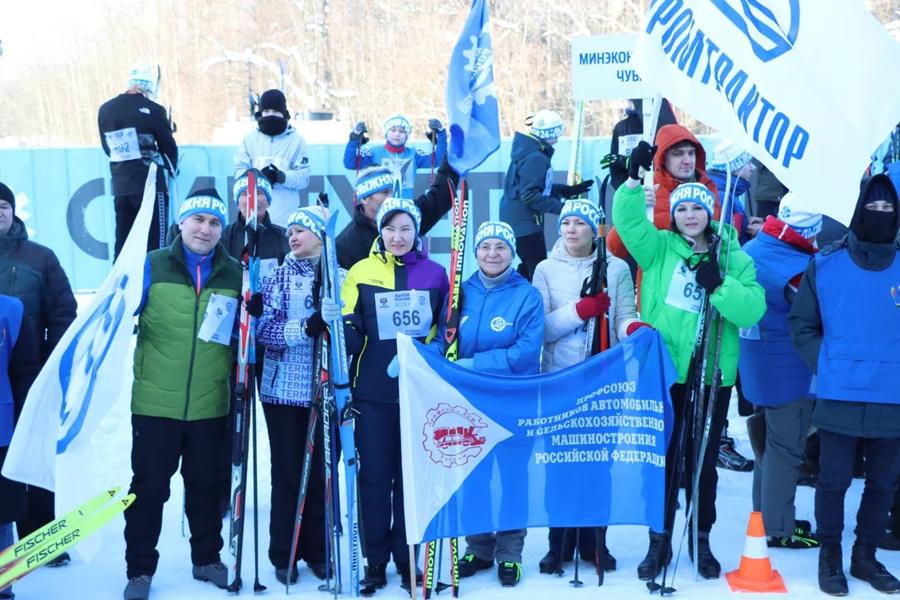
x=845, y=323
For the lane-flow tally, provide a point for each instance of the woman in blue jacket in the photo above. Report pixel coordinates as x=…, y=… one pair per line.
x=501, y=331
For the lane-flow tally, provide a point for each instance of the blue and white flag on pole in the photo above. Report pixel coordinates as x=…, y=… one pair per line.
x=471, y=94
x=579, y=447
x=809, y=87
x=54, y=445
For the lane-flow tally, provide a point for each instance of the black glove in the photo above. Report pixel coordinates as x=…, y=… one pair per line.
x=255, y=305
x=315, y=325
x=572, y=191
x=708, y=276
x=273, y=174
x=614, y=161
x=359, y=133
x=434, y=127
x=641, y=156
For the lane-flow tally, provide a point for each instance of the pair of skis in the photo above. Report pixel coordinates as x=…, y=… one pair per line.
x=56, y=537
x=245, y=402
x=451, y=352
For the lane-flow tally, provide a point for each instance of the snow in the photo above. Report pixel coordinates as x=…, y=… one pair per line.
x=104, y=575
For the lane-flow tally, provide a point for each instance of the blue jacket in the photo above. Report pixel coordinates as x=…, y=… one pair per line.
x=772, y=372
x=405, y=162
x=528, y=190
x=11, y=312
x=501, y=328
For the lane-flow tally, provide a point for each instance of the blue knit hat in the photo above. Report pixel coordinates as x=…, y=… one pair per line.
x=205, y=201
x=395, y=205
x=309, y=217
x=496, y=230
x=693, y=192
x=373, y=180
x=240, y=185
x=397, y=121
x=582, y=209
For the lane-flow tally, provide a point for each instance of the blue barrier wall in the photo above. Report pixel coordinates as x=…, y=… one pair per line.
x=63, y=194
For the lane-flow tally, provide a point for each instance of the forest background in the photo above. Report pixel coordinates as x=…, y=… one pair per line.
x=358, y=59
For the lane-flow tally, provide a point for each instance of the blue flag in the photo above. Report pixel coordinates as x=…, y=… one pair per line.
x=471, y=94
x=580, y=447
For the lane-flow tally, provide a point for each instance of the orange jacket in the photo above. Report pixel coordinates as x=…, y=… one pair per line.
x=666, y=137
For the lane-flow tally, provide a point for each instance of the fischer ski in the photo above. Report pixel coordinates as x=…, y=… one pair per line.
x=44, y=549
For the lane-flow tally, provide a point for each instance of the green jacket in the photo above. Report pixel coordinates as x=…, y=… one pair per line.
x=662, y=254
x=177, y=375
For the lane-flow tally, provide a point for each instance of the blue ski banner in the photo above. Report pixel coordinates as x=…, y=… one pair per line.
x=472, y=95
x=584, y=446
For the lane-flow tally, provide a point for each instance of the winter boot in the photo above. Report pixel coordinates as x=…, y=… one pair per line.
x=138, y=588
x=550, y=564
x=509, y=573
x=707, y=565
x=403, y=571
x=602, y=552
x=282, y=574
x=658, y=556
x=471, y=564
x=864, y=566
x=375, y=579
x=800, y=539
x=319, y=569
x=730, y=458
x=60, y=561
x=216, y=573
x=831, y=571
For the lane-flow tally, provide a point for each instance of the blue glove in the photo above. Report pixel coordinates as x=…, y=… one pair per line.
x=466, y=363
x=393, y=368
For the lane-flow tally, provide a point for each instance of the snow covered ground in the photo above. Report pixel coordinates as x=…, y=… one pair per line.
x=103, y=577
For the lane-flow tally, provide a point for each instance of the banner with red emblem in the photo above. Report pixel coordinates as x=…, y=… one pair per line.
x=580, y=447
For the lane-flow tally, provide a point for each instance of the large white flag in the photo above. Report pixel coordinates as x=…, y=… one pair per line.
x=808, y=86
x=52, y=446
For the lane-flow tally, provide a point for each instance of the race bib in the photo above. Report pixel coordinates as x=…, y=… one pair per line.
x=267, y=266
x=218, y=320
x=406, y=312
x=684, y=293
x=123, y=144
x=627, y=143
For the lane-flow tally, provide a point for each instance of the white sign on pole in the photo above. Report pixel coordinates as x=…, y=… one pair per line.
x=602, y=69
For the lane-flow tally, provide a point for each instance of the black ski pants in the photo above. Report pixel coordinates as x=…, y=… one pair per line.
x=287, y=427
x=157, y=444
x=39, y=510
x=836, y=463
x=531, y=249
x=381, y=482
x=127, y=208
x=709, y=479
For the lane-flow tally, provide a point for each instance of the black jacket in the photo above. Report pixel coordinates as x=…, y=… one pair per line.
x=32, y=273
x=154, y=137
x=355, y=241
x=271, y=243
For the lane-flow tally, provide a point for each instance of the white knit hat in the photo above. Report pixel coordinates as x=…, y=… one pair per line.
x=808, y=224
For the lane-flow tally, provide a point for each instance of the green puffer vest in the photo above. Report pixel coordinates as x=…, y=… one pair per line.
x=177, y=375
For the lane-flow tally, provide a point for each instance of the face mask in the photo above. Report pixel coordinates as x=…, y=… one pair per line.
x=876, y=227
x=272, y=125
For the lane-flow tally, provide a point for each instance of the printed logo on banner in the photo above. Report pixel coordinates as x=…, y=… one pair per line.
x=452, y=435
x=771, y=26
x=82, y=359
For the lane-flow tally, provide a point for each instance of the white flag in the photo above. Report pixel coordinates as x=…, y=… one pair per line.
x=84, y=376
x=809, y=87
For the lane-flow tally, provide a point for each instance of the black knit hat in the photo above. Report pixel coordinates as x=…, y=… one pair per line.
x=6, y=194
x=273, y=100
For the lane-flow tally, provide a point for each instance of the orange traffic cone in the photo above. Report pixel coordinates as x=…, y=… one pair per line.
x=755, y=573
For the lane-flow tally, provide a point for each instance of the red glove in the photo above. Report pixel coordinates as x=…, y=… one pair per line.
x=634, y=326
x=592, y=306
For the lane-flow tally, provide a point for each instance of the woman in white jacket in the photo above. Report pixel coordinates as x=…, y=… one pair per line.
x=559, y=279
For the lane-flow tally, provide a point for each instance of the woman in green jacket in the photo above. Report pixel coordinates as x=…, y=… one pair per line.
x=680, y=268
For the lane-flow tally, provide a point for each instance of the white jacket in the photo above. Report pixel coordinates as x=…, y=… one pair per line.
x=559, y=279
x=287, y=151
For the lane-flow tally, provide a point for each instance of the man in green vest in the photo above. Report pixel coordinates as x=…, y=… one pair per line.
x=180, y=397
